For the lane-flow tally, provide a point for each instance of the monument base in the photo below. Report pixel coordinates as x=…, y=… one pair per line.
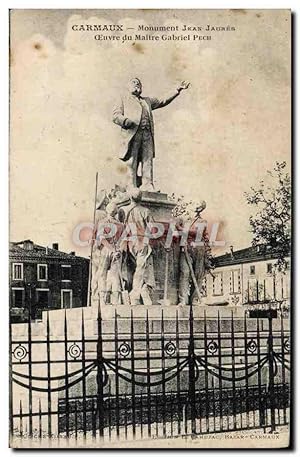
x=165, y=262
x=139, y=314
x=160, y=207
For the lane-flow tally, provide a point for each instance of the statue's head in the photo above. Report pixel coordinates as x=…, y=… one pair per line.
x=135, y=86
x=111, y=209
x=200, y=208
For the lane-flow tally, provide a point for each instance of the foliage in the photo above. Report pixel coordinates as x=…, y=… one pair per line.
x=183, y=208
x=271, y=225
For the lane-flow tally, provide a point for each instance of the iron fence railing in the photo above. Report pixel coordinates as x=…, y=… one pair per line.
x=134, y=378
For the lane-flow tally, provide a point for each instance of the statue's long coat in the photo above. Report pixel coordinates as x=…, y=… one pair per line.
x=129, y=107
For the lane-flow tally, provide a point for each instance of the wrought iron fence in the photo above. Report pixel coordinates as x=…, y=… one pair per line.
x=150, y=378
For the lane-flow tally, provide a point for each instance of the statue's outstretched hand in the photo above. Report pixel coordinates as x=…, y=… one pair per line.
x=183, y=85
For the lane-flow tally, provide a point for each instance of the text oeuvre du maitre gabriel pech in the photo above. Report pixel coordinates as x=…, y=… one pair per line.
x=154, y=33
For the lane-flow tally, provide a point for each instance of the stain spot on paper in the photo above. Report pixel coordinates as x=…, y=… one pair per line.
x=122, y=169
x=138, y=48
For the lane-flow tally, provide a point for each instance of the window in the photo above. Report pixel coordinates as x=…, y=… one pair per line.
x=235, y=282
x=269, y=287
x=253, y=290
x=66, y=298
x=269, y=268
x=42, y=296
x=18, y=271
x=218, y=284
x=66, y=272
x=42, y=272
x=285, y=292
x=252, y=269
x=18, y=297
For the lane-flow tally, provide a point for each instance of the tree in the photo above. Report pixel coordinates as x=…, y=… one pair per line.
x=271, y=225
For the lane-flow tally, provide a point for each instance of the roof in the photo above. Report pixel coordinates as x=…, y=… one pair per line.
x=250, y=254
x=27, y=249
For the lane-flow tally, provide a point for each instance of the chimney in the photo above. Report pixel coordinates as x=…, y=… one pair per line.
x=231, y=252
x=28, y=245
x=55, y=246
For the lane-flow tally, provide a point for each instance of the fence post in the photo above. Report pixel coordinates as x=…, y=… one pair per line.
x=29, y=333
x=11, y=408
x=192, y=386
x=100, y=369
x=283, y=367
x=178, y=384
x=66, y=366
x=48, y=346
x=117, y=389
x=163, y=366
x=84, y=402
x=271, y=373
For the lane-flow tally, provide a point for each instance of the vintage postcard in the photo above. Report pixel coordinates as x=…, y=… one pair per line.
x=150, y=238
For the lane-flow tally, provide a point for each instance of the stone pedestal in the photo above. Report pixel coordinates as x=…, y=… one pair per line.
x=164, y=263
x=159, y=205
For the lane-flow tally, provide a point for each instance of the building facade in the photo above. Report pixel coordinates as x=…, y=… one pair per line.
x=247, y=276
x=44, y=278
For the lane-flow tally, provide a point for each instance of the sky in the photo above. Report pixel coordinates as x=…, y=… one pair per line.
x=214, y=142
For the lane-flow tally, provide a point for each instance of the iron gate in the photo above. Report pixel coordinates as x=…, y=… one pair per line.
x=149, y=378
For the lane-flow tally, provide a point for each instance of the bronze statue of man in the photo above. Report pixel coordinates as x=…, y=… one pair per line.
x=133, y=114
